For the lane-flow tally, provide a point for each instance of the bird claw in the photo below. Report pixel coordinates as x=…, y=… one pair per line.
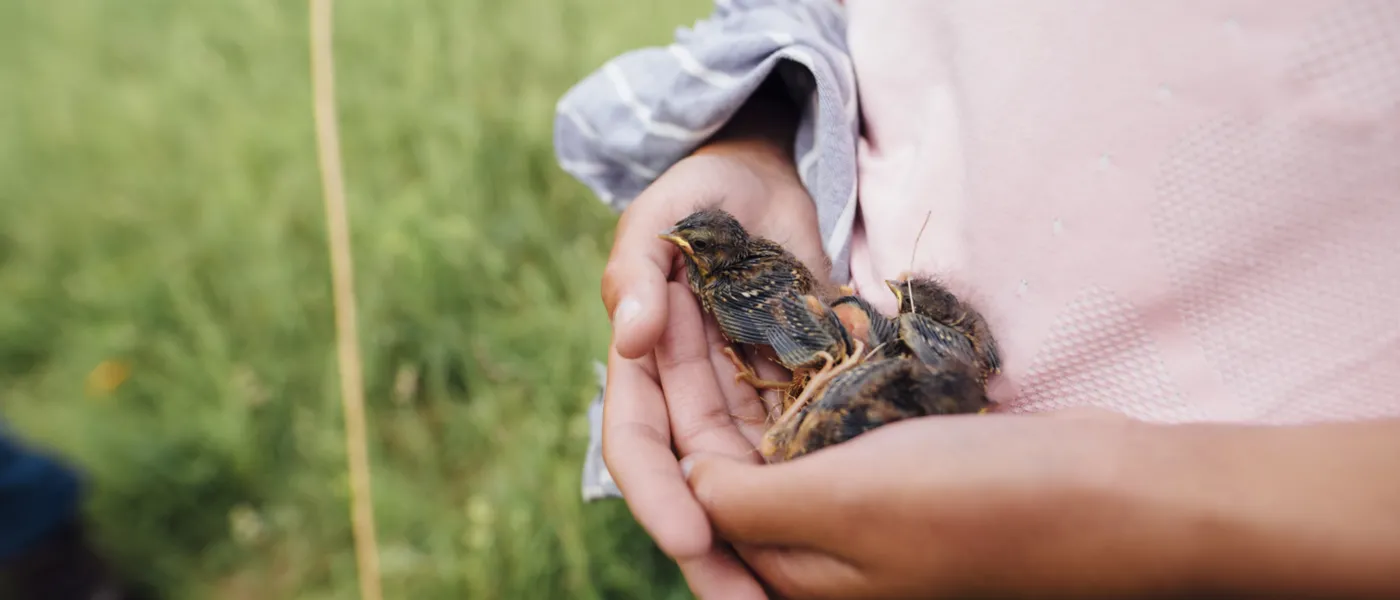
x=748, y=420
x=800, y=376
x=822, y=377
x=747, y=375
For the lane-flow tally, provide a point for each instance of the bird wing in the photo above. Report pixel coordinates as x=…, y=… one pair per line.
x=933, y=342
x=851, y=383
x=798, y=333
x=990, y=352
x=745, y=309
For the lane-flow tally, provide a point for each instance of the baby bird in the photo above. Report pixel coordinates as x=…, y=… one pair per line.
x=760, y=294
x=908, y=334
x=935, y=323
x=863, y=322
x=875, y=393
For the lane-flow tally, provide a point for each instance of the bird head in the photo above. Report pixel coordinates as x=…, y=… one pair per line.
x=709, y=239
x=924, y=295
x=901, y=290
x=927, y=297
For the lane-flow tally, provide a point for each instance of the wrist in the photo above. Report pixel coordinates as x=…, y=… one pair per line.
x=771, y=166
x=758, y=165
x=761, y=133
x=1253, y=509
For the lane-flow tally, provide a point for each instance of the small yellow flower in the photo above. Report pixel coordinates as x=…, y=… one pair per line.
x=107, y=376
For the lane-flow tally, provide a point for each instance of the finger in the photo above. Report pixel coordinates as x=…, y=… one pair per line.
x=745, y=406
x=634, y=281
x=637, y=452
x=800, y=573
x=719, y=574
x=699, y=415
x=787, y=504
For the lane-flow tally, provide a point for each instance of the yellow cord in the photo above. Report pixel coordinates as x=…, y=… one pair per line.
x=347, y=338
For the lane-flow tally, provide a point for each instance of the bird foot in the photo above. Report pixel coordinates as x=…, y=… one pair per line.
x=800, y=377
x=751, y=420
x=822, y=377
x=747, y=375
x=793, y=404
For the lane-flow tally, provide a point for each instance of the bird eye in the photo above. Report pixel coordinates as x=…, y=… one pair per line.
x=699, y=245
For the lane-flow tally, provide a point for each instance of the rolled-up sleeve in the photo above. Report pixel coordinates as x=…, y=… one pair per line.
x=623, y=125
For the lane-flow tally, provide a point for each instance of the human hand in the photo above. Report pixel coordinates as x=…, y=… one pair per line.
x=671, y=391
x=949, y=506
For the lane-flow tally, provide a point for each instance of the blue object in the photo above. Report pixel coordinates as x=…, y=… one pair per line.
x=38, y=493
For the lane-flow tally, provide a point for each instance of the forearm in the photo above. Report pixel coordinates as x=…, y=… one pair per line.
x=767, y=122
x=1311, y=510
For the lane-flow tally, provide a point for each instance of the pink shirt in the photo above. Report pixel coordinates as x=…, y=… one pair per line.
x=1178, y=210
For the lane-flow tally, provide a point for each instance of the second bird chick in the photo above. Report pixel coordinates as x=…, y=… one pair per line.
x=934, y=322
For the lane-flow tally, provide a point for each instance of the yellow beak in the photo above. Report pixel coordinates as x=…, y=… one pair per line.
x=898, y=288
x=679, y=242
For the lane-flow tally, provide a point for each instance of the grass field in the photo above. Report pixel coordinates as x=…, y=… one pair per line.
x=160, y=209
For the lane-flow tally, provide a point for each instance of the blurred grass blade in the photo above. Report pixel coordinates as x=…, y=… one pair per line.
x=342, y=272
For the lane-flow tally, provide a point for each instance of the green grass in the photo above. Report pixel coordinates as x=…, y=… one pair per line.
x=160, y=205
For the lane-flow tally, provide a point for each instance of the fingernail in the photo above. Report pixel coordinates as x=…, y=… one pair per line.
x=627, y=310
x=687, y=464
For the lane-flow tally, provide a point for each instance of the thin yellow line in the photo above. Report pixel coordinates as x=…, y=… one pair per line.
x=342, y=273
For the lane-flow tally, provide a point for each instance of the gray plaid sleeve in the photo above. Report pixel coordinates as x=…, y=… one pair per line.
x=623, y=125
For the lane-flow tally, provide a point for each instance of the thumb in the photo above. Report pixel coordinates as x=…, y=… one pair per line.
x=634, y=292
x=634, y=281
x=747, y=503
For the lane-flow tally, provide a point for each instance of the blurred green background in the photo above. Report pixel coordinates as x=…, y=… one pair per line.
x=161, y=218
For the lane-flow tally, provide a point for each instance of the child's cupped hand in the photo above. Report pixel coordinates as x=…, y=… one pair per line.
x=670, y=391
